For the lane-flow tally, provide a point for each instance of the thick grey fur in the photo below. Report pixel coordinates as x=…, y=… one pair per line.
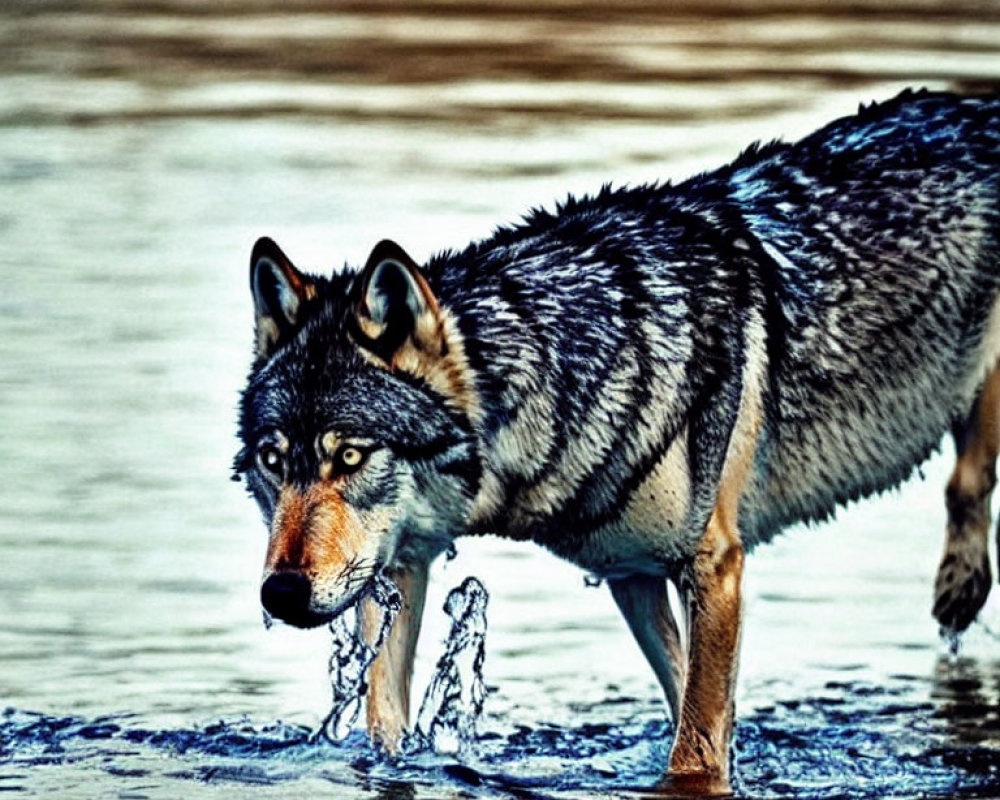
x=868, y=255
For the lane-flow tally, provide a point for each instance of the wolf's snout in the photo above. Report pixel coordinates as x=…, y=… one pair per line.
x=286, y=595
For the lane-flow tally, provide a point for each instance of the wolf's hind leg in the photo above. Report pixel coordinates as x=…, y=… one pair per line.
x=963, y=579
x=644, y=603
x=388, y=705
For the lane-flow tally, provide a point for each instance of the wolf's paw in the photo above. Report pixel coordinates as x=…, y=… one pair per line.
x=691, y=785
x=962, y=585
x=386, y=728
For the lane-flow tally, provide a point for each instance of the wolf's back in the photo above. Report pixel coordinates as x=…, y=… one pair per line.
x=605, y=333
x=882, y=238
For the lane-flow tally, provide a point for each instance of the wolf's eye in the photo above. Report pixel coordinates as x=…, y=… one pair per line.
x=348, y=459
x=271, y=460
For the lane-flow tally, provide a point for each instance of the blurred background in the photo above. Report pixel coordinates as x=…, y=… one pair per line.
x=145, y=145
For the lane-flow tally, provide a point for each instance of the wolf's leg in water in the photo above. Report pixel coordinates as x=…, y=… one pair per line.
x=351, y=656
x=390, y=674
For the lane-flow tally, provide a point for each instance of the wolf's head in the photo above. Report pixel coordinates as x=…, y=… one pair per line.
x=356, y=427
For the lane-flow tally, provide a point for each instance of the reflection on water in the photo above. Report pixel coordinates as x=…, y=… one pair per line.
x=966, y=692
x=143, y=148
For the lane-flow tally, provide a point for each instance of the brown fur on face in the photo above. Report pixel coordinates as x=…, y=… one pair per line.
x=315, y=533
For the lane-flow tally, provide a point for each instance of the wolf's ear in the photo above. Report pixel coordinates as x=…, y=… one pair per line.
x=279, y=293
x=396, y=307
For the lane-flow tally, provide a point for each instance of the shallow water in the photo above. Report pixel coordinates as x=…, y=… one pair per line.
x=143, y=148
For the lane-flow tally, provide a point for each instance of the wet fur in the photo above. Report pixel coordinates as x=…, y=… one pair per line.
x=651, y=381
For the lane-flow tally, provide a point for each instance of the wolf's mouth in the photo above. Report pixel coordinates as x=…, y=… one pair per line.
x=308, y=620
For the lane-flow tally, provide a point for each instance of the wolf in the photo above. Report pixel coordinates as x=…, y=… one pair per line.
x=648, y=382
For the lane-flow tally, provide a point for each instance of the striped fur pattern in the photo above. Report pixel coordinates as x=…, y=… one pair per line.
x=620, y=377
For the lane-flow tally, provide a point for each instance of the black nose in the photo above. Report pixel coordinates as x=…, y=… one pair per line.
x=286, y=596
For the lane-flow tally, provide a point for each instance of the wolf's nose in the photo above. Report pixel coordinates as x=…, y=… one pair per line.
x=286, y=595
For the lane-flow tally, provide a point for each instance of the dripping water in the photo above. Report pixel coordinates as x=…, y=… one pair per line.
x=455, y=695
x=352, y=655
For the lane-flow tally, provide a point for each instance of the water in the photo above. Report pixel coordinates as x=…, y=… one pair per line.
x=456, y=694
x=454, y=698
x=144, y=147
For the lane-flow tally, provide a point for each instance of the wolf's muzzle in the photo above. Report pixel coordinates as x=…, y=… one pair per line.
x=286, y=595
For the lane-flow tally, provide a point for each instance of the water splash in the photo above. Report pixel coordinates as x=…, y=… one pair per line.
x=848, y=739
x=453, y=702
x=352, y=656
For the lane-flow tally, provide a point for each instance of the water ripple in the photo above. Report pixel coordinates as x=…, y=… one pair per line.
x=861, y=742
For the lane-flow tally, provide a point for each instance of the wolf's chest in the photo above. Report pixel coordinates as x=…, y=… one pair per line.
x=646, y=533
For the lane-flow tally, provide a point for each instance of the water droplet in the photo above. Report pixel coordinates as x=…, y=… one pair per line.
x=592, y=581
x=954, y=641
x=451, y=553
x=268, y=619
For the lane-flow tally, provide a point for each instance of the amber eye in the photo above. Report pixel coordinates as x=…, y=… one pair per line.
x=271, y=460
x=348, y=459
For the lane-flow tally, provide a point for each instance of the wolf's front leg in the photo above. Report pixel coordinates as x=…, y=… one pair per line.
x=699, y=761
x=390, y=673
